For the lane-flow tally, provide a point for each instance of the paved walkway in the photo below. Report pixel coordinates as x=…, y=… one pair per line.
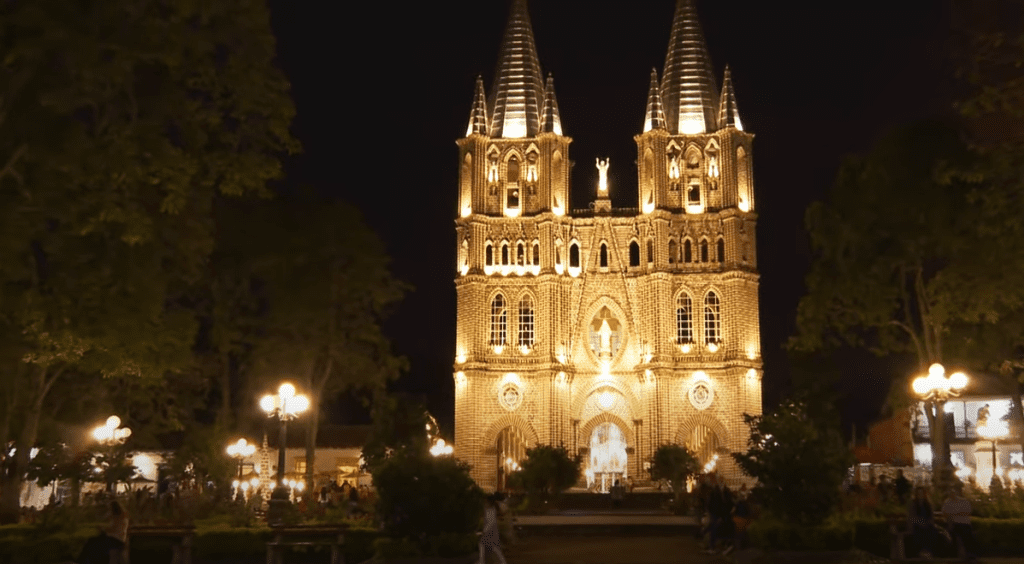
x=597, y=518
x=609, y=550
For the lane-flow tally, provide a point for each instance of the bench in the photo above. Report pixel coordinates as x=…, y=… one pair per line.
x=182, y=538
x=286, y=536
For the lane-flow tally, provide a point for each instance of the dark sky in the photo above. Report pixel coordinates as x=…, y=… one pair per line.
x=383, y=90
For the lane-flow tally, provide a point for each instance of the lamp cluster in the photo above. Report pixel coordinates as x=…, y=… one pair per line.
x=110, y=432
x=936, y=385
x=286, y=404
x=241, y=449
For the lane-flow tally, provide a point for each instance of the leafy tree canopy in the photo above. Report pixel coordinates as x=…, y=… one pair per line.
x=674, y=463
x=799, y=459
x=548, y=470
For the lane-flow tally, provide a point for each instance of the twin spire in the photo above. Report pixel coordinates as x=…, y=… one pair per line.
x=685, y=101
x=687, y=97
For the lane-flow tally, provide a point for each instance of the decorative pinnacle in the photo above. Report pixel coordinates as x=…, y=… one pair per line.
x=550, y=121
x=688, y=87
x=478, y=115
x=655, y=117
x=518, y=85
x=728, y=114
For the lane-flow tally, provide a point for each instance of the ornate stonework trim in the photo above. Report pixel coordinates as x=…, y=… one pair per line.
x=509, y=420
x=583, y=327
x=588, y=428
x=580, y=399
x=704, y=418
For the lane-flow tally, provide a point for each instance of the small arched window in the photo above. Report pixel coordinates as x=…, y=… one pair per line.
x=720, y=248
x=687, y=251
x=712, y=319
x=604, y=255
x=650, y=251
x=634, y=254
x=673, y=251
x=525, y=333
x=513, y=169
x=489, y=254
x=574, y=256
x=684, y=319
x=520, y=255
x=499, y=321
x=536, y=254
x=504, y=254
x=704, y=251
x=558, y=253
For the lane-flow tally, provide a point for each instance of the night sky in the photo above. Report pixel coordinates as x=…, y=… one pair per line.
x=383, y=90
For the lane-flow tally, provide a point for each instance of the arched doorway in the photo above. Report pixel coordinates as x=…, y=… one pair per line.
x=704, y=443
x=511, y=449
x=607, y=459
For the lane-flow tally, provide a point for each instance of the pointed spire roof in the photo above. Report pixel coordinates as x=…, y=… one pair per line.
x=655, y=117
x=728, y=114
x=478, y=115
x=688, y=88
x=518, y=85
x=550, y=121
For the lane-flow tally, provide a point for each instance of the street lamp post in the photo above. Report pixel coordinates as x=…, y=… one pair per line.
x=240, y=451
x=993, y=431
x=935, y=389
x=285, y=405
x=111, y=434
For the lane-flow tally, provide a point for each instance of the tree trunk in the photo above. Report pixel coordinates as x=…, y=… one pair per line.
x=225, y=389
x=311, y=432
x=13, y=478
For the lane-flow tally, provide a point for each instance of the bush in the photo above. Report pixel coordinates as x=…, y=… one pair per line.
x=420, y=497
x=547, y=471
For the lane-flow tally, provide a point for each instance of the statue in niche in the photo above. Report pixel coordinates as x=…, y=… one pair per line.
x=673, y=168
x=531, y=167
x=605, y=334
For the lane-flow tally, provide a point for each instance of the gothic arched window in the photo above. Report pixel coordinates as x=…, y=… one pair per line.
x=634, y=254
x=525, y=333
x=704, y=250
x=504, y=254
x=499, y=321
x=650, y=251
x=489, y=254
x=520, y=254
x=712, y=318
x=513, y=169
x=687, y=251
x=673, y=251
x=684, y=319
x=604, y=255
x=536, y=254
x=720, y=254
x=574, y=256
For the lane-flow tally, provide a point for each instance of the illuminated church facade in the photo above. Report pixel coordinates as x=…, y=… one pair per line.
x=609, y=331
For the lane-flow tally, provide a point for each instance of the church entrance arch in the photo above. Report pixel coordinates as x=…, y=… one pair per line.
x=606, y=461
x=511, y=450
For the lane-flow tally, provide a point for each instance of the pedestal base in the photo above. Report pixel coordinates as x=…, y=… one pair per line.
x=278, y=506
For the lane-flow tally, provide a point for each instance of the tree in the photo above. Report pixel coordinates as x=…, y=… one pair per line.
x=548, y=471
x=119, y=123
x=398, y=426
x=798, y=458
x=328, y=289
x=676, y=464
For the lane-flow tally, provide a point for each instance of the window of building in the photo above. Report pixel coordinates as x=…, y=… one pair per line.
x=720, y=254
x=704, y=251
x=513, y=169
x=673, y=251
x=712, y=319
x=693, y=194
x=489, y=255
x=520, y=255
x=525, y=337
x=684, y=320
x=650, y=251
x=536, y=254
x=687, y=251
x=634, y=254
x=499, y=320
x=574, y=256
x=300, y=465
x=604, y=255
x=504, y=254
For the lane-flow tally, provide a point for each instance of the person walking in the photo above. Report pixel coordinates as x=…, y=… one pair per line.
x=490, y=539
x=957, y=510
x=922, y=521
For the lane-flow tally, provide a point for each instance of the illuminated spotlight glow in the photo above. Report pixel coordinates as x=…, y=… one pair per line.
x=606, y=400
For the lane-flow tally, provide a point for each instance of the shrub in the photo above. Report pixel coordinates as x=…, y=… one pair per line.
x=548, y=471
x=419, y=497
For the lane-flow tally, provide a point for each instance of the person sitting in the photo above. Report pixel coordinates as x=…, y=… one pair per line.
x=921, y=518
